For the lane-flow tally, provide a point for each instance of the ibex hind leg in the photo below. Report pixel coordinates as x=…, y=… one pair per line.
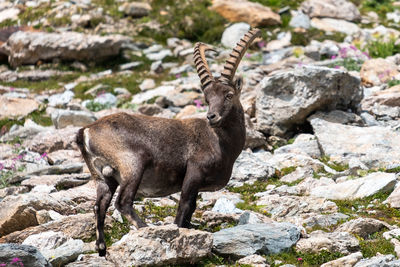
x=130, y=181
x=105, y=191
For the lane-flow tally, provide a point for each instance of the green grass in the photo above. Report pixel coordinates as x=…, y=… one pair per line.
x=349, y=64
x=334, y=165
x=38, y=116
x=54, y=82
x=379, y=210
x=190, y=20
x=382, y=49
x=303, y=259
x=117, y=231
x=157, y=213
x=392, y=83
x=303, y=39
x=375, y=244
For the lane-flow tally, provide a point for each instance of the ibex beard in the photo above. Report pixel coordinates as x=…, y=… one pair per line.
x=155, y=157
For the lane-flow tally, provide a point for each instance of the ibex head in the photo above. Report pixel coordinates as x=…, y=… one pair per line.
x=223, y=93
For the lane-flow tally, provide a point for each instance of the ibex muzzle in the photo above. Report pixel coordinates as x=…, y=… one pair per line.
x=155, y=157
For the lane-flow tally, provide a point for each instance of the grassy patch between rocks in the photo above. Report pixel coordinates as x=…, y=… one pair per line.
x=334, y=165
x=371, y=207
x=157, y=213
x=375, y=244
x=54, y=82
x=303, y=259
x=185, y=19
x=117, y=231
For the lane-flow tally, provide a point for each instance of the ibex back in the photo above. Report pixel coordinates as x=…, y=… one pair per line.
x=154, y=157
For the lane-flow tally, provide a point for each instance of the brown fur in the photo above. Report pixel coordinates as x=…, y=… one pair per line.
x=154, y=157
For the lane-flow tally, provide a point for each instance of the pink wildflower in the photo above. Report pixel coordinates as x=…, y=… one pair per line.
x=12, y=89
x=366, y=54
x=299, y=259
x=343, y=52
x=334, y=57
x=337, y=67
x=353, y=48
x=3, y=264
x=198, y=103
x=178, y=75
x=261, y=44
x=1, y=166
x=248, y=55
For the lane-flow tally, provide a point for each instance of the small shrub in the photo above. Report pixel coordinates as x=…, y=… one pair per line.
x=381, y=49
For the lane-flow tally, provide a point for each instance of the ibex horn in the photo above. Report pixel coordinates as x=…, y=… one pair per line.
x=201, y=64
x=237, y=53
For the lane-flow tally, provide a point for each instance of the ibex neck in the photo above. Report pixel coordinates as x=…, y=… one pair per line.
x=232, y=133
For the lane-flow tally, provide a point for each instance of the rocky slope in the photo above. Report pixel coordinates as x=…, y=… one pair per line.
x=317, y=184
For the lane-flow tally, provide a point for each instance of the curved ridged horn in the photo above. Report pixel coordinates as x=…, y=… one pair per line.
x=237, y=53
x=201, y=64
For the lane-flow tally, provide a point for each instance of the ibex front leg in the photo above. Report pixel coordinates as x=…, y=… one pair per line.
x=187, y=203
x=105, y=192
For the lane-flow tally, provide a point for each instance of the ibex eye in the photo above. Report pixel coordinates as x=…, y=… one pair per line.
x=229, y=96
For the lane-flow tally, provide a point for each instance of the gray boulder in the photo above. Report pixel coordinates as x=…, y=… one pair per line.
x=161, y=245
x=287, y=98
x=339, y=9
x=374, y=146
x=379, y=261
x=248, y=239
x=27, y=255
x=250, y=167
x=357, y=188
x=342, y=242
x=62, y=118
x=30, y=47
x=231, y=36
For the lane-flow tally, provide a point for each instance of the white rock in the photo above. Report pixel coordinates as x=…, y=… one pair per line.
x=358, y=188
x=231, y=36
x=226, y=206
x=147, y=95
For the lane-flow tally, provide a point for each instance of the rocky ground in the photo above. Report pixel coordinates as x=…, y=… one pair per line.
x=318, y=181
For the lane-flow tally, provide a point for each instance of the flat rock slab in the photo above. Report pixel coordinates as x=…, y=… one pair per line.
x=287, y=98
x=394, y=198
x=80, y=226
x=342, y=242
x=374, y=146
x=339, y=9
x=248, y=239
x=349, y=260
x=358, y=188
x=64, y=181
x=30, y=47
x=161, y=245
x=285, y=207
x=27, y=255
x=19, y=212
x=255, y=14
x=378, y=261
x=16, y=107
x=363, y=226
x=52, y=140
x=90, y=260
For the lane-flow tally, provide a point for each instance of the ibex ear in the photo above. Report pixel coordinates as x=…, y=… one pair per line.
x=238, y=84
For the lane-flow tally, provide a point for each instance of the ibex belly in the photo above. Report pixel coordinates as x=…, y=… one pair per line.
x=160, y=182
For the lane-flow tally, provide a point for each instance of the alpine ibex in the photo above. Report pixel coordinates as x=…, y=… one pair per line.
x=155, y=157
